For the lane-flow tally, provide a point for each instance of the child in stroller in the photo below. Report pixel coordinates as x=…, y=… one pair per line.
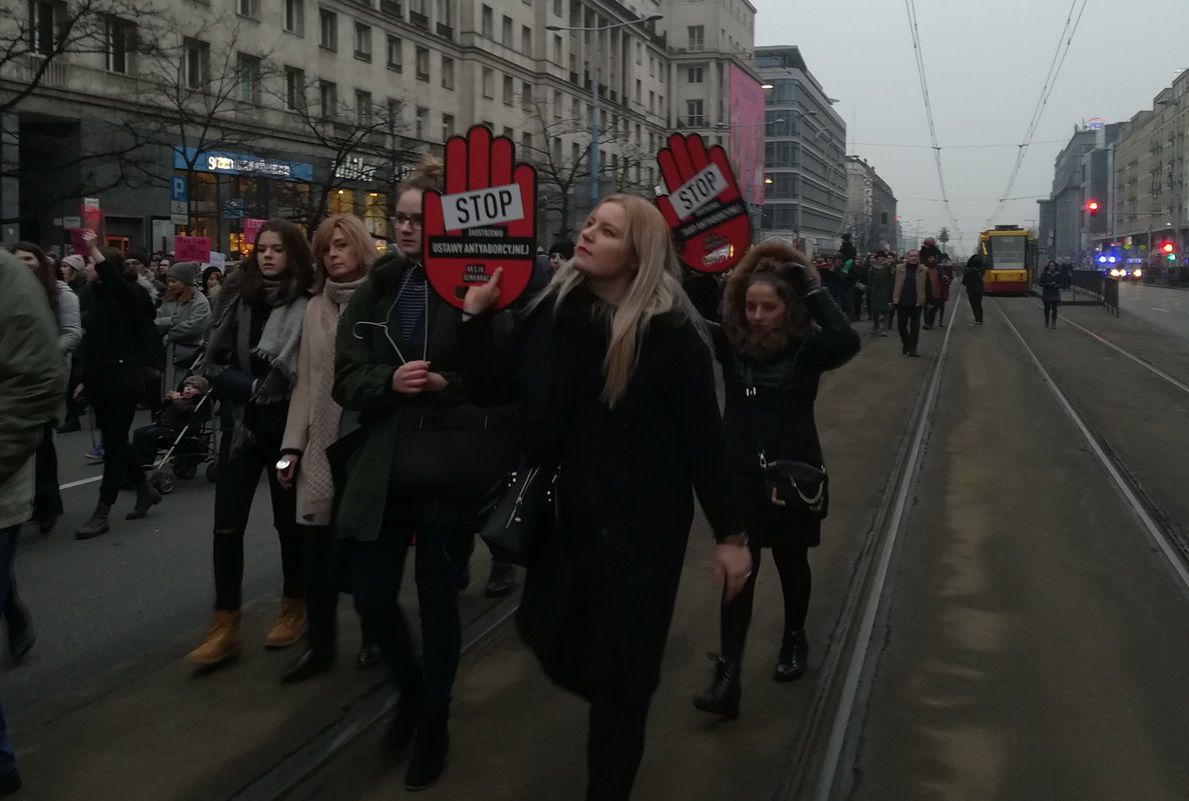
x=181, y=410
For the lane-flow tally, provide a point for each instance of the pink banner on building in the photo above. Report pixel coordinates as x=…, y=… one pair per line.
x=746, y=147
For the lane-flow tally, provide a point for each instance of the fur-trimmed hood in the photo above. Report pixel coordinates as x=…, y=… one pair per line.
x=764, y=257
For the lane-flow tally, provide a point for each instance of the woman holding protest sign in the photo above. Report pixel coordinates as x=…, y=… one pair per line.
x=251, y=362
x=781, y=330
x=615, y=381
x=417, y=465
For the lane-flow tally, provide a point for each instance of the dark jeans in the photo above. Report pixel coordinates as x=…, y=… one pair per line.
x=114, y=418
x=857, y=304
x=796, y=583
x=8, y=549
x=323, y=568
x=377, y=568
x=976, y=305
x=234, y=491
x=935, y=310
x=1051, y=311
x=908, y=321
x=47, y=499
x=147, y=440
x=74, y=407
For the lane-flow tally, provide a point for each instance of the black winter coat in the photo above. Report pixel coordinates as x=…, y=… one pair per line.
x=781, y=415
x=116, y=335
x=627, y=486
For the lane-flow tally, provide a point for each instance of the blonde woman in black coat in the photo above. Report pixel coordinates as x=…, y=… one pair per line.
x=615, y=378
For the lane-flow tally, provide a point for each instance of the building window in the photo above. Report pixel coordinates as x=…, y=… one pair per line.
x=488, y=22
x=248, y=8
x=557, y=51
x=364, y=116
x=693, y=113
x=395, y=53
x=488, y=83
x=295, y=17
x=247, y=75
x=639, y=91
x=447, y=126
x=363, y=42
x=121, y=38
x=557, y=106
x=508, y=90
x=447, y=72
x=444, y=16
x=557, y=8
x=329, y=29
x=695, y=75
x=395, y=112
x=651, y=101
x=508, y=133
x=697, y=37
x=526, y=96
x=577, y=111
x=575, y=152
x=506, y=31
x=43, y=17
x=526, y=143
x=295, y=89
x=328, y=98
x=423, y=63
x=639, y=52
x=652, y=66
x=557, y=149
x=422, y=119
x=526, y=40
x=196, y=65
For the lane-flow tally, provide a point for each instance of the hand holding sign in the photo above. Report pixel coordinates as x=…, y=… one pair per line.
x=486, y=221
x=704, y=207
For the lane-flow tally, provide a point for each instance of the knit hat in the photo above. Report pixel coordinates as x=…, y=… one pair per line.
x=184, y=271
x=139, y=254
x=74, y=261
x=199, y=383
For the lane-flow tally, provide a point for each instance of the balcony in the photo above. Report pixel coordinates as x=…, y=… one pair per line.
x=445, y=31
x=54, y=74
x=419, y=20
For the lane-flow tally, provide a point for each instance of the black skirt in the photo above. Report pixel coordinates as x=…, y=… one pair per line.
x=768, y=524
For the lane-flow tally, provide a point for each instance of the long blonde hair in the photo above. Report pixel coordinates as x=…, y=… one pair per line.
x=655, y=290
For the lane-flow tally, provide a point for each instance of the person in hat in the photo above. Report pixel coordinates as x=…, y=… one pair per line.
x=183, y=317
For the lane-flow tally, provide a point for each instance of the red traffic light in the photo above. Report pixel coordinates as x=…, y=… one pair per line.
x=1092, y=207
x=1168, y=247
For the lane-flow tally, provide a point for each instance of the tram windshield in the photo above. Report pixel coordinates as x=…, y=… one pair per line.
x=1008, y=252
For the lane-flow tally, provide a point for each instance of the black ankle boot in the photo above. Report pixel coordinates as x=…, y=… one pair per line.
x=314, y=662
x=146, y=498
x=722, y=696
x=502, y=580
x=429, y=751
x=794, y=657
x=96, y=525
x=404, y=720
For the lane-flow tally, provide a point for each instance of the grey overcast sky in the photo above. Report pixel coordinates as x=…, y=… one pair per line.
x=985, y=63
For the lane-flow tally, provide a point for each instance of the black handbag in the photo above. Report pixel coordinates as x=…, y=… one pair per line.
x=787, y=483
x=454, y=454
x=526, y=503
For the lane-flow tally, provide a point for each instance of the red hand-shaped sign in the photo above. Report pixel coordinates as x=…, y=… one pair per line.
x=485, y=219
x=704, y=207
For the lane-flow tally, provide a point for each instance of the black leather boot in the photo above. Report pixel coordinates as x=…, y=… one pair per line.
x=314, y=662
x=96, y=525
x=502, y=580
x=430, y=749
x=794, y=657
x=723, y=694
x=146, y=498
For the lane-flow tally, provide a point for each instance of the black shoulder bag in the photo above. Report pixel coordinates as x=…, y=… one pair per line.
x=522, y=508
x=788, y=483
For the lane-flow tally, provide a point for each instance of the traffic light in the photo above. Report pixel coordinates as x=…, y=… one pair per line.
x=1092, y=208
x=1169, y=251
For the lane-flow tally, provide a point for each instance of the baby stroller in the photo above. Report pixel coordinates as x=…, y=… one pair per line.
x=195, y=442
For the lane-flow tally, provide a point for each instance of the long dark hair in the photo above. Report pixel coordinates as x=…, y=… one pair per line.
x=43, y=271
x=299, y=276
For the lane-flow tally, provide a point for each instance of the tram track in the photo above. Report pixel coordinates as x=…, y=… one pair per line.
x=825, y=742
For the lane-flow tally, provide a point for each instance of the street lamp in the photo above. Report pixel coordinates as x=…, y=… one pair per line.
x=594, y=94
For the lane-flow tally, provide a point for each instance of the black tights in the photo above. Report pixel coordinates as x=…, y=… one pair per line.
x=1051, y=311
x=796, y=580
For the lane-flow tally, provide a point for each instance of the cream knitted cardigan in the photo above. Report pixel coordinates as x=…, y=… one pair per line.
x=314, y=417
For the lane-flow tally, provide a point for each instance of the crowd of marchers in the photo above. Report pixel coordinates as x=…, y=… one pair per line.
x=333, y=370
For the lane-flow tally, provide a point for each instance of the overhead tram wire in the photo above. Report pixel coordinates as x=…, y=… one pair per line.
x=914, y=30
x=1064, y=42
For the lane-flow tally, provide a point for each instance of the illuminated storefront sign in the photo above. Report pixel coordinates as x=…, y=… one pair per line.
x=240, y=164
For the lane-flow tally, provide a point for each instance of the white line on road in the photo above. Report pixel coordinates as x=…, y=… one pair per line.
x=850, y=688
x=80, y=482
x=1170, y=553
x=1156, y=371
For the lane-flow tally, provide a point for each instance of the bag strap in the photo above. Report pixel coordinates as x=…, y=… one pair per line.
x=750, y=392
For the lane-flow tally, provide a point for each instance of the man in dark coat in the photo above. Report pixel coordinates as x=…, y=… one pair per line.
x=972, y=279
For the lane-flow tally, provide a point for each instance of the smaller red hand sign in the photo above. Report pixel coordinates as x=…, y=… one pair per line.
x=485, y=219
x=704, y=207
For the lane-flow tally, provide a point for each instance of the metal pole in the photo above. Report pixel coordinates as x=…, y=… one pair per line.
x=594, y=137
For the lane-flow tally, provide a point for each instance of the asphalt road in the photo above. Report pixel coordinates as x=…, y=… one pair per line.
x=1166, y=309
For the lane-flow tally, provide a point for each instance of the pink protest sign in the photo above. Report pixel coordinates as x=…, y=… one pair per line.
x=251, y=229
x=192, y=248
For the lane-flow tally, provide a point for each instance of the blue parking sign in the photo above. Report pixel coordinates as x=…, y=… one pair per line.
x=177, y=189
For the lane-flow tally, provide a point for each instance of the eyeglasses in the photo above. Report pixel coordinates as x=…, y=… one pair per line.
x=413, y=219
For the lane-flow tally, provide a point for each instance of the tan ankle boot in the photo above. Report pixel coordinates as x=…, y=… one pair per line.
x=290, y=625
x=222, y=640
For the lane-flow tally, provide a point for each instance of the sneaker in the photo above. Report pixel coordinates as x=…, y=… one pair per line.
x=95, y=454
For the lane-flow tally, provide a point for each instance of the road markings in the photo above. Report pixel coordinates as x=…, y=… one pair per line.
x=79, y=483
x=1156, y=371
x=849, y=696
x=1171, y=553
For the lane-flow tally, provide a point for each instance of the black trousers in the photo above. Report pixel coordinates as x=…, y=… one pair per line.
x=377, y=569
x=976, y=305
x=857, y=301
x=234, y=491
x=323, y=566
x=1051, y=311
x=114, y=418
x=796, y=584
x=73, y=406
x=935, y=309
x=147, y=440
x=47, y=499
x=908, y=322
